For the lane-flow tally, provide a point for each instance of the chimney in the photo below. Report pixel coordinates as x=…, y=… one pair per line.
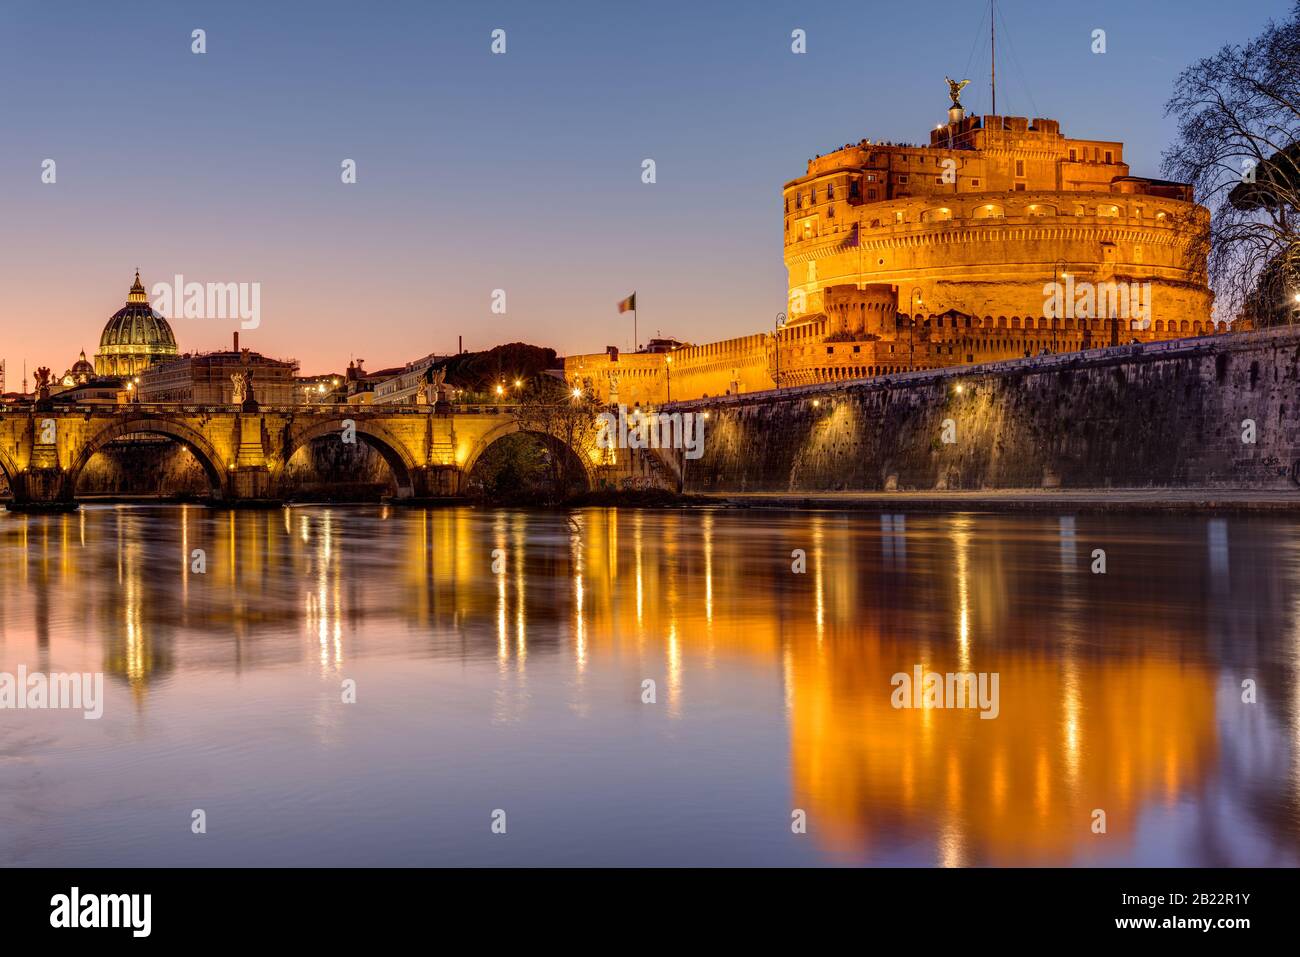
x=236, y=340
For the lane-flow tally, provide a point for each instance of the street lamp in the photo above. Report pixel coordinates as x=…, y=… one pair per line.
x=917, y=303
x=668, y=373
x=1058, y=273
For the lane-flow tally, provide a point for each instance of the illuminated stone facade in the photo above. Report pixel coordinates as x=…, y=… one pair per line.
x=1001, y=238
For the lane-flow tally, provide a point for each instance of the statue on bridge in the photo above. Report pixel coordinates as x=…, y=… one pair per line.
x=436, y=389
x=242, y=394
x=42, y=384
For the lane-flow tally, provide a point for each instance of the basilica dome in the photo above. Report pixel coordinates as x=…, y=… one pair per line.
x=80, y=373
x=134, y=338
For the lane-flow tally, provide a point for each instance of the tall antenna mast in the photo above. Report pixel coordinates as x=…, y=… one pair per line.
x=993, y=52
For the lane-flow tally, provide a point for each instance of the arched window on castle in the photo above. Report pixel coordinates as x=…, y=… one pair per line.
x=1106, y=209
x=938, y=214
x=988, y=211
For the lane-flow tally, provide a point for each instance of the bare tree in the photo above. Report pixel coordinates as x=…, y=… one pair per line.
x=1238, y=117
x=568, y=417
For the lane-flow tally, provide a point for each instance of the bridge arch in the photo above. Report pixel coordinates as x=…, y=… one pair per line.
x=506, y=429
x=12, y=473
x=391, y=449
x=214, y=468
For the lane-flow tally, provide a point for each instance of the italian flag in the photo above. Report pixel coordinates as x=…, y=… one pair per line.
x=628, y=304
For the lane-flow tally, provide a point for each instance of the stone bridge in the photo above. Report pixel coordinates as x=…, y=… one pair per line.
x=244, y=454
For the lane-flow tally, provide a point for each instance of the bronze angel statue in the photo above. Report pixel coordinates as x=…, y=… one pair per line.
x=955, y=88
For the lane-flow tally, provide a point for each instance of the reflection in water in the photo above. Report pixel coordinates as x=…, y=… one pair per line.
x=505, y=651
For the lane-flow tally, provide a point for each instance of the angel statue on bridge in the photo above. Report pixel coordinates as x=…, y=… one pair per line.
x=242, y=393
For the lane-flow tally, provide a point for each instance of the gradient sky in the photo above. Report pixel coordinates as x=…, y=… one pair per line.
x=478, y=172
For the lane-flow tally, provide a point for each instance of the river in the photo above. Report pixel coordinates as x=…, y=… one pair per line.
x=369, y=685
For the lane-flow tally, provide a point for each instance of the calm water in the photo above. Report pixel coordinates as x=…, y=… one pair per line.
x=522, y=690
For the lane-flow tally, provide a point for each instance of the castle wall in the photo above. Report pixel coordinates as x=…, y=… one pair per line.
x=1167, y=414
x=994, y=253
x=730, y=366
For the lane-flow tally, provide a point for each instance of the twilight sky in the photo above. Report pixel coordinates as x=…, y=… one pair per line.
x=477, y=171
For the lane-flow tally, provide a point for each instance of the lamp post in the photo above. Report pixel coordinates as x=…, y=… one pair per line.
x=668, y=374
x=780, y=324
x=916, y=303
x=1058, y=273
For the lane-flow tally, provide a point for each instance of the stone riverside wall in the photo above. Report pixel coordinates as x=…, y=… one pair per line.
x=1165, y=414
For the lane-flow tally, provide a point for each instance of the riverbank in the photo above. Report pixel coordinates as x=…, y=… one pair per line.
x=1003, y=500
x=1023, y=500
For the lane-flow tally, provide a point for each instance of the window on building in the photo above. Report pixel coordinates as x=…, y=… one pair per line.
x=975, y=184
x=1020, y=187
x=871, y=177
x=938, y=181
x=902, y=179
x=1110, y=156
x=1020, y=167
x=898, y=216
x=855, y=190
x=1074, y=155
x=871, y=194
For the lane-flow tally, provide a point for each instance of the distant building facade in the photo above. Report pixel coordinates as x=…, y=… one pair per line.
x=205, y=379
x=407, y=387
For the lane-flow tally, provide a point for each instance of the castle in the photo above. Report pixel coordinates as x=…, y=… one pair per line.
x=1001, y=238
